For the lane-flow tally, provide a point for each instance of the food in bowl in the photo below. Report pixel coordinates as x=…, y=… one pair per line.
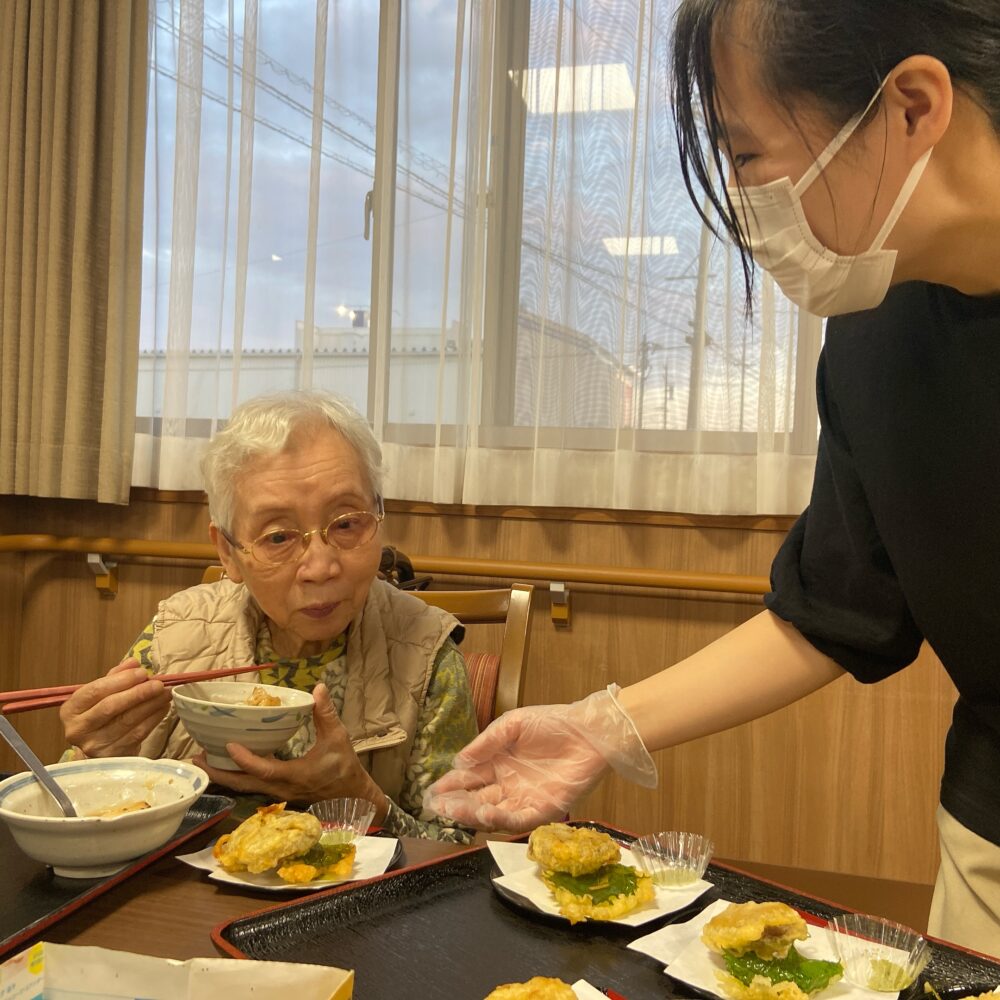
x=536, y=988
x=217, y=712
x=673, y=859
x=105, y=835
x=344, y=819
x=878, y=954
x=260, y=697
x=287, y=842
x=580, y=866
x=757, y=944
x=120, y=810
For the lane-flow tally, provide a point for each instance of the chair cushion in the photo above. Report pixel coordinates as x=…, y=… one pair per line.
x=484, y=668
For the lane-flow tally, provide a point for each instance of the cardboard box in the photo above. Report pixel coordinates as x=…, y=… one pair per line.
x=60, y=972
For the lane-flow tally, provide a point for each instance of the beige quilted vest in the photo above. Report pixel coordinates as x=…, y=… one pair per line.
x=391, y=649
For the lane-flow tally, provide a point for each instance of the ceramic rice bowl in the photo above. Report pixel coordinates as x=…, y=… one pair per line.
x=92, y=846
x=215, y=713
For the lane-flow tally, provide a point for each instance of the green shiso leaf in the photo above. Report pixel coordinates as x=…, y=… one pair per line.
x=810, y=974
x=602, y=885
x=324, y=855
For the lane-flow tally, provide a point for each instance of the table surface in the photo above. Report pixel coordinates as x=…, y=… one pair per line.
x=169, y=909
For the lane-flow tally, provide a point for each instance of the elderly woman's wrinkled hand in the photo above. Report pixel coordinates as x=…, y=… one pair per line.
x=110, y=717
x=329, y=770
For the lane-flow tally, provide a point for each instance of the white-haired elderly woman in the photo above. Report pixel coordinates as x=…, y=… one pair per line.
x=294, y=493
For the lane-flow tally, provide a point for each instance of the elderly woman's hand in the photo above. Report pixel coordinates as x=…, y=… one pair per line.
x=329, y=770
x=110, y=717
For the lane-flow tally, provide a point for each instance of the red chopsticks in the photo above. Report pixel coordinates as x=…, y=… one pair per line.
x=48, y=697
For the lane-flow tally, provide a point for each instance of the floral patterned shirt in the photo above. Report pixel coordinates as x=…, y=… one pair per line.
x=446, y=723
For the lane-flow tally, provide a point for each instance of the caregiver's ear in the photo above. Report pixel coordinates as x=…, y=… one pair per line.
x=918, y=98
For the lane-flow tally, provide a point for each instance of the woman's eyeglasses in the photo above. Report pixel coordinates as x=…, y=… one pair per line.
x=282, y=545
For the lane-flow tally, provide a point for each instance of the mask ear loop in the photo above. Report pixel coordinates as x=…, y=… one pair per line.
x=902, y=201
x=836, y=144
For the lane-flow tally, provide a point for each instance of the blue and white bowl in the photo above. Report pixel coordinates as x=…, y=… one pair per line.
x=94, y=844
x=215, y=713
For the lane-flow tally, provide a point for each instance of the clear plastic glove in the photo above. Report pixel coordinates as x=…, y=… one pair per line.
x=533, y=763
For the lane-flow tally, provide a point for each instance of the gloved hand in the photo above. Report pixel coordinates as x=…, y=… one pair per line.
x=532, y=764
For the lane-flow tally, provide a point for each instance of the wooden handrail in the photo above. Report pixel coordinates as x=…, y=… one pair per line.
x=109, y=546
x=726, y=583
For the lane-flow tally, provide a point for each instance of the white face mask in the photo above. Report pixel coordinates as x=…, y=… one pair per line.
x=814, y=277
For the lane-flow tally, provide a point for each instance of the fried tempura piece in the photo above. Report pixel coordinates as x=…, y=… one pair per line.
x=260, y=698
x=267, y=839
x=577, y=906
x=760, y=988
x=309, y=869
x=766, y=929
x=536, y=988
x=576, y=850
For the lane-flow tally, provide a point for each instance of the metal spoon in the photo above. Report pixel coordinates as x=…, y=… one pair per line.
x=13, y=737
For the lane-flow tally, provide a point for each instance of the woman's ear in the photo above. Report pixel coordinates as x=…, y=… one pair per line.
x=227, y=554
x=919, y=97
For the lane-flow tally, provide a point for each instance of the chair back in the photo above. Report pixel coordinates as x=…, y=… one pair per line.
x=212, y=574
x=497, y=680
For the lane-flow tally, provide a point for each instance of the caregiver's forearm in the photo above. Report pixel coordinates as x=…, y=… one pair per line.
x=755, y=669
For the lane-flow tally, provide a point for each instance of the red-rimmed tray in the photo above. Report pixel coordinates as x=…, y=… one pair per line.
x=36, y=898
x=439, y=931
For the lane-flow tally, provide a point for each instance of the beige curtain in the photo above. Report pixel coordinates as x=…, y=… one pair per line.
x=72, y=138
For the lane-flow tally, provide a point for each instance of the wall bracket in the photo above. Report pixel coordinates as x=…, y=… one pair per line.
x=559, y=604
x=105, y=574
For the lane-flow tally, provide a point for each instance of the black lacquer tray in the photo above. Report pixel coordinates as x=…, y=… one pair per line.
x=439, y=931
x=36, y=897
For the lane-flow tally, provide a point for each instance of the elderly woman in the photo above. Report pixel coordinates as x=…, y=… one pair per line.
x=294, y=493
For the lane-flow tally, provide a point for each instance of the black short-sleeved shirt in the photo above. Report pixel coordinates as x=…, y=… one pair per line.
x=901, y=539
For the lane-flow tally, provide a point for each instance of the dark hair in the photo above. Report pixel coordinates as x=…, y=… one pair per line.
x=833, y=52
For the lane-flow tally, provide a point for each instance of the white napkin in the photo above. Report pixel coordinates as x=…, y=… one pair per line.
x=584, y=991
x=697, y=966
x=668, y=942
x=374, y=854
x=520, y=875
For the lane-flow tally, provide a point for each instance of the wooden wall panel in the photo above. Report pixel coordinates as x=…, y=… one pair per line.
x=844, y=781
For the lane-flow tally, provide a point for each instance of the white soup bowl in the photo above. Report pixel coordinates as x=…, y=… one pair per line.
x=92, y=846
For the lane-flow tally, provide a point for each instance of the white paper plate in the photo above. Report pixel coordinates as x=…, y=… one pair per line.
x=522, y=885
x=697, y=966
x=374, y=856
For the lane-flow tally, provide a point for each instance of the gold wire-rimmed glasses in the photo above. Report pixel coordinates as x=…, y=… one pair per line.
x=282, y=545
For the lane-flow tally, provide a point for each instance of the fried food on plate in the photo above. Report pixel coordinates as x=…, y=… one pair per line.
x=580, y=867
x=536, y=988
x=607, y=894
x=766, y=929
x=572, y=849
x=757, y=945
x=267, y=839
x=760, y=988
x=322, y=861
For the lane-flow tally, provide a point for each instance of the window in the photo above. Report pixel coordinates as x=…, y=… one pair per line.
x=473, y=227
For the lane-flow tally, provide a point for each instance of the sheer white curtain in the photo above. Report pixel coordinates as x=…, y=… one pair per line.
x=555, y=326
x=256, y=270
x=593, y=346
